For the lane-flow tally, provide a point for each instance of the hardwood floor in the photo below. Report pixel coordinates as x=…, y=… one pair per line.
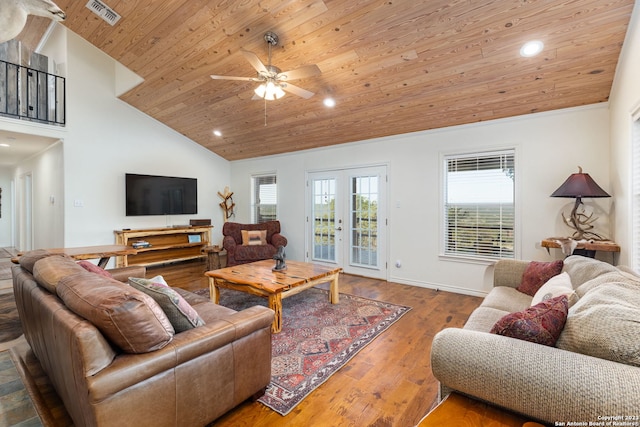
x=389, y=383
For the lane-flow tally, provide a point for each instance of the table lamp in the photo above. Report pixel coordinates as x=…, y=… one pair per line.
x=577, y=186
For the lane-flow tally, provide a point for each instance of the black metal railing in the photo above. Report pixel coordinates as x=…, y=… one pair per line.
x=30, y=94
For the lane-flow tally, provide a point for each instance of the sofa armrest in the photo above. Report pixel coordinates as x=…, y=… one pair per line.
x=508, y=272
x=122, y=274
x=542, y=382
x=130, y=369
x=229, y=243
x=278, y=240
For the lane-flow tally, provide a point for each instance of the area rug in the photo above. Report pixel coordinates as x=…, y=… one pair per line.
x=10, y=327
x=317, y=338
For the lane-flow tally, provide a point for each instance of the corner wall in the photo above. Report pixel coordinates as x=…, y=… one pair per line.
x=6, y=207
x=104, y=139
x=108, y=138
x=624, y=102
x=550, y=146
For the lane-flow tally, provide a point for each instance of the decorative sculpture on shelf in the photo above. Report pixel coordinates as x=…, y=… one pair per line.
x=13, y=15
x=279, y=257
x=227, y=204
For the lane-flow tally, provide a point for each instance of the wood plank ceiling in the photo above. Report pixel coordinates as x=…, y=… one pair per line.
x=393, y=66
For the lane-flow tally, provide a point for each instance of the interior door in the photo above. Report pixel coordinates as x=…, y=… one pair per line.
x=346, y=220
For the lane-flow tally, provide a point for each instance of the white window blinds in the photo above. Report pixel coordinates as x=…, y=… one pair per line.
x=479, y=207
x=264, y=198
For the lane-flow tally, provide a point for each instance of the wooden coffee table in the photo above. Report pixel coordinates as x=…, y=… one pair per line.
x=257, y=278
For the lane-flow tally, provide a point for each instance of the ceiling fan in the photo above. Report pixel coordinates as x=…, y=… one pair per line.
x=273, y=82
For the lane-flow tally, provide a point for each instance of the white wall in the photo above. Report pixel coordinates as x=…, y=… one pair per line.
x=550, y=146
x=6, y=206
x=47, y=174
x=624, y=101
x=106, y=138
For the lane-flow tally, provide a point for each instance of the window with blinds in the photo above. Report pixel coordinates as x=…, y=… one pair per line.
x=479, y=205
x=264, y=196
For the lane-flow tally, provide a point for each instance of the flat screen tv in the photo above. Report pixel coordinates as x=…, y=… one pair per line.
x=160, y=195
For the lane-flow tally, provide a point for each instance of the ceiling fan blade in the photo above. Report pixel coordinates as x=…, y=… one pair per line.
x=297, y=90
x=251, y=79
x=254, y=61
x=299, y=73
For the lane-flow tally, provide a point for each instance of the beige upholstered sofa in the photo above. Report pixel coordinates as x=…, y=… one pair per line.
x=114, y=357
x=593, y=371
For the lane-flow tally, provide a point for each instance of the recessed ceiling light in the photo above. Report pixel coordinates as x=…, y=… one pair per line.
x=4, y=145
x=217, y=133
x=329, y=102
x=531, y=48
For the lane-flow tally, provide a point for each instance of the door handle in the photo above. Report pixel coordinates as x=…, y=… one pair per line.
x=339, y=228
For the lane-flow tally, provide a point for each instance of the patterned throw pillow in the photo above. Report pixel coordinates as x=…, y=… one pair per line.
x=541, y=324
x=537, y=274
x=254, y=237
x=556, y=286
x=181, y=315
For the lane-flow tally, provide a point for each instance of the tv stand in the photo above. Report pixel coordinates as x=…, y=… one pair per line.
x=167, y=244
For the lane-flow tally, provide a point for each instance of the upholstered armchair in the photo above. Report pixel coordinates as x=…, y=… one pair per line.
x=251, y=242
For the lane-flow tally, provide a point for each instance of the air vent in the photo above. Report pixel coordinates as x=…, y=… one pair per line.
x=103, y=11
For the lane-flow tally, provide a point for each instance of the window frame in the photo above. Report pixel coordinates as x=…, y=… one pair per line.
x=444, y=252
x=256, y=218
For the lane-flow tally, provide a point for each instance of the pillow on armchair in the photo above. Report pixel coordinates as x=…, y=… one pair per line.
x=251, y=248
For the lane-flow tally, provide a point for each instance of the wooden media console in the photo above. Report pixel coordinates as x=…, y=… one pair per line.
x=166, y=244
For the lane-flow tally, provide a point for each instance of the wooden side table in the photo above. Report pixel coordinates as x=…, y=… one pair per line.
x=586, y=248
x=213, y=256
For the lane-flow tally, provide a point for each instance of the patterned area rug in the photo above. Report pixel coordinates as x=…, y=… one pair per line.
x=316, y=340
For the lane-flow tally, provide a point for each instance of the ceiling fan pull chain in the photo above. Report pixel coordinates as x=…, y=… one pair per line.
x=265, y=112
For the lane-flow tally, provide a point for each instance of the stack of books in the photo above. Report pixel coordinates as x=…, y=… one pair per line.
x=141, y=244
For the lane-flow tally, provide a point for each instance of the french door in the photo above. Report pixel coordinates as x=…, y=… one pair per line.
x=347, y=220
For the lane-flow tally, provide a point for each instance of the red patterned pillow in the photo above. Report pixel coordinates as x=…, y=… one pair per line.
x=541, y=323
x=536, y=274
x=92, y=268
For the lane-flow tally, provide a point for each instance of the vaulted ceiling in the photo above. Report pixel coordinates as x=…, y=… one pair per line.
x=392, y=66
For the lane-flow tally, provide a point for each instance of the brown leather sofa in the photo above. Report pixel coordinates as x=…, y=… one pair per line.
x=162, y=378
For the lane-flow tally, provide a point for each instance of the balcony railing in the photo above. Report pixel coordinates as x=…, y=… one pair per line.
x=33, y=95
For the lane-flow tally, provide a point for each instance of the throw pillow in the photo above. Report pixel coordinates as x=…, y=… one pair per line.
x=29, y=259
x=556, y=286
x=92, y=268
x=605, y=323
x=48, y=271
x=536, y=274
x=541, y=324
x=254, y=237
x=130, y=319
x=181, y=315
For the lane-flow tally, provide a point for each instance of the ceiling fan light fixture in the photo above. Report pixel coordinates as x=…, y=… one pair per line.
x=269, y=91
